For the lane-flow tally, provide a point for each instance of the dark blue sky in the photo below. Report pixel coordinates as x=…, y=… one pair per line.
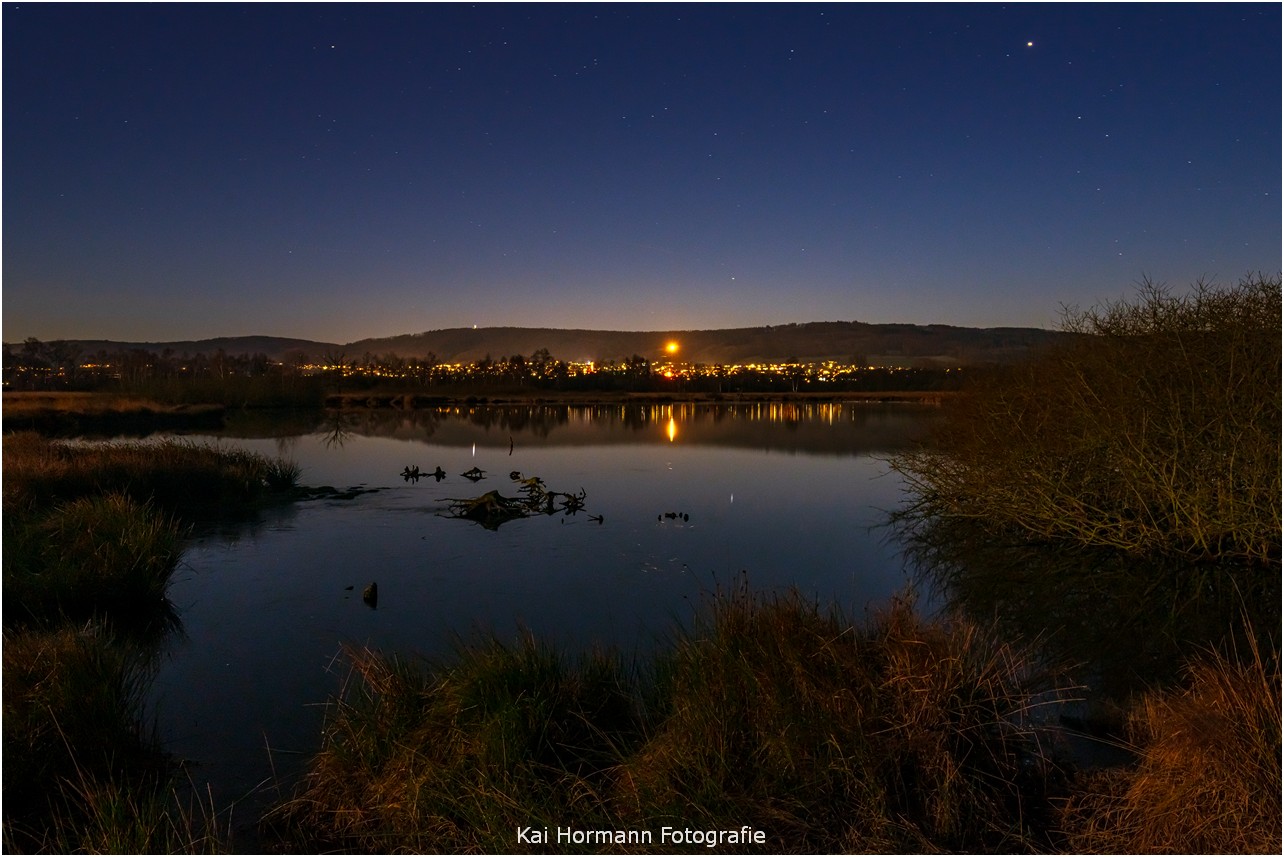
x=335, y=172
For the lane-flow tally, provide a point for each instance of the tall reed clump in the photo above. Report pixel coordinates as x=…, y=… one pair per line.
x=83, y=773
x=74, y=734
x=1207, y=779
x=903, y=736
x=457, y=758
x=92, y=556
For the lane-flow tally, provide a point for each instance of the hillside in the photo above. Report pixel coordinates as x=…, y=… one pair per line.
x=275, y=347
x=847, y=342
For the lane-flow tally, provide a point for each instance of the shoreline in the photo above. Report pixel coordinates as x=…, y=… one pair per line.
x=416, y=401
x=62, y=411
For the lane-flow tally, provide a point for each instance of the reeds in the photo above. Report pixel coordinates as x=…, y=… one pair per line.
x=72, y=703
x=430, y=758
x=95, y=530
x=175, y=475
x=83, y=771
x=770, y=713
x=92, y=534
x=901, y=735
x=95, y=555
x=1207, y=780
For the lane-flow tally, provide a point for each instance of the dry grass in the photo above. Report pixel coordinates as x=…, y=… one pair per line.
x=93, y=556
x=176, y=475
x=420, y=758
x=83, y=772
x=903, y=736
x=72, y=717
x=1208, y=776
x=84, y=403
x=90, y=540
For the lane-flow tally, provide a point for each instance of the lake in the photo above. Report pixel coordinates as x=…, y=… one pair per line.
x=690, y=497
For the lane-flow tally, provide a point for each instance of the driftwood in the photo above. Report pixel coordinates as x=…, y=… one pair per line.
x=493, y=509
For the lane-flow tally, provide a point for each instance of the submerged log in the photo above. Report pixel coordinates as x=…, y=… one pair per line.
x=490, y=509
x=493, y=509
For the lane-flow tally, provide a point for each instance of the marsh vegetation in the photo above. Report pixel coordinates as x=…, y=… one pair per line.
x=1122, y=488
x=92, y=535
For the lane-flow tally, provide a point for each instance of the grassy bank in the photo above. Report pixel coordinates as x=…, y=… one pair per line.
x=901, y=736
x=898, y=736
x=83, y=772
x=68, y=413
x=91, y=537
x=1207, y=777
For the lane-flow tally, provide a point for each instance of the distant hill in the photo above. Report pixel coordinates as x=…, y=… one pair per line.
x=275, y=347
x=844, y=341
x=848, y=342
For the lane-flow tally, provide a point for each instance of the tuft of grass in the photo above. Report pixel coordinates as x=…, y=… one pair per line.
x=109, y=817
x=72, y=715
x=281, y=475
x=1208, y=775
x=899, y=736
x=455, y=758
x=93, y=556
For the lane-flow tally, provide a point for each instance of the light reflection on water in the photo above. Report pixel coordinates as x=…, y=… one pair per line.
x=791, y=495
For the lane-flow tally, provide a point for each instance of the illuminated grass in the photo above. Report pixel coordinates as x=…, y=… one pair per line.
x=901, y=736
x=177, y=476
x=1207, y=779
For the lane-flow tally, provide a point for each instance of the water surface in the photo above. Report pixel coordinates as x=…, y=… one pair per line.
x=787, y=495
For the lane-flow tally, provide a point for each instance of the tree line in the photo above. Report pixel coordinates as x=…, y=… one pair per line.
x=61, y=365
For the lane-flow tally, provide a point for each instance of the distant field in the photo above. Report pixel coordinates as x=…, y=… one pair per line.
x=16, y=404
x=73, y=413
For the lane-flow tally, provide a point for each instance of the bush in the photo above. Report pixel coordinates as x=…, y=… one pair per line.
x=1154, y=432
x=1120, y=491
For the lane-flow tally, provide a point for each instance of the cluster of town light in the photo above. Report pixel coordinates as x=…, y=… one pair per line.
x=828, y=370
x=667, y=366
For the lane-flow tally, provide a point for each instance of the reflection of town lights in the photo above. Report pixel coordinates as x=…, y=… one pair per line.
x=672, y=429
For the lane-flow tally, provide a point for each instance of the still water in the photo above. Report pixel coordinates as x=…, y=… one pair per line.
x=788, y=495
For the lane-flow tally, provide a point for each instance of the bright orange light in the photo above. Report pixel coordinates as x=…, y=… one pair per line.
x=672, y=429
x=672, y=348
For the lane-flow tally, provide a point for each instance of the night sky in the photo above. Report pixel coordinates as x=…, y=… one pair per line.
x=335, y=172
